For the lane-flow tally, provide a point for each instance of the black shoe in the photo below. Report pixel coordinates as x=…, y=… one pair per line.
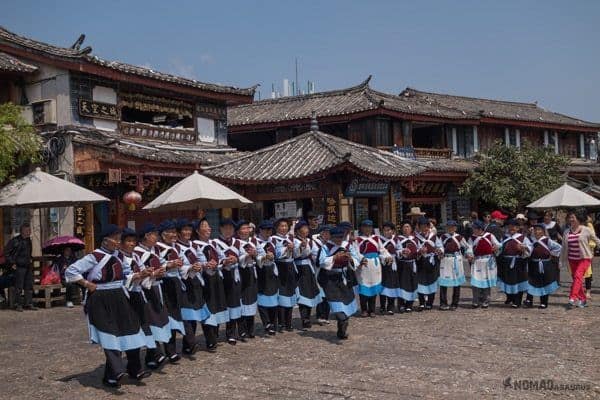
x=280, y=328
x=543, y=306
x=428, y=306
x=507, y=301
x=211, y=348
x=382, y=311
x=408, y=309
x=192, y=350
x=453, y=307
x=474, y=305
x=527, y=304
x=112, y=383
x=420, y=308
x=371, y=315
x=19, y=308
x=289, y=329
x=485, y=305
x=161, y=359
x=152, y=364
x=390, y=312
x=231, y=341
x=174, y=359
x=515, y=305
x=402, y=310
x=30, y=307
x=243, y=338
x=444, y=307
x=140, y=375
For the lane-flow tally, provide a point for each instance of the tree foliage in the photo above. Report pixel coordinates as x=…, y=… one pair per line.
x=511, y=178
x=19, y=144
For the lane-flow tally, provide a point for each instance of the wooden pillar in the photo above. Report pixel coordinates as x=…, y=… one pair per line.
x=407, y=133
x=89, y=228
x=392, y=205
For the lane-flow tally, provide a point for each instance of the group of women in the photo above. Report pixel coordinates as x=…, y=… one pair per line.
x=146, y=287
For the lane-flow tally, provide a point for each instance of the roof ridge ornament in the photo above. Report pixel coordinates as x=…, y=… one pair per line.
x=314, y=125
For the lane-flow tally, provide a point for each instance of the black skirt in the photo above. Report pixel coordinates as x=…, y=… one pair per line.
x=233, y=289
x=307, y=282
x=428, y=273
x=155, y=311
x=407, y=278
x=542, y=281
x=194, y=294
x=512, y=280
x=268, y=282
x=173, y=295
x=389, y=278
x=110, y=311
x=139, y=305
x=288, y=279
x=334, y=287
x=214, y=293
x=249, y=285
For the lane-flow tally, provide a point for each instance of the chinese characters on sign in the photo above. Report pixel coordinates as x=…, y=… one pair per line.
x=96, y=109
x=286, y=209
x=331, y=211
x=80, y=222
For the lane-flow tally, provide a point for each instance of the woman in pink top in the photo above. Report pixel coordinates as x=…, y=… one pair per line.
x=576, y=251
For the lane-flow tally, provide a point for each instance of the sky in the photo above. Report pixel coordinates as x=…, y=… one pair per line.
x=545, y=51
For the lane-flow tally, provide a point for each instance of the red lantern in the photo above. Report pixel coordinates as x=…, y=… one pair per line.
x=132, y=198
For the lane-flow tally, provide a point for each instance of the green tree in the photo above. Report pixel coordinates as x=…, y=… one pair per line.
x=511, y=178
x=19, y=143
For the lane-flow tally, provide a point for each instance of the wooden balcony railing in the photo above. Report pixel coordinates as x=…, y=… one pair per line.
x=149, y=131
x=420, y=152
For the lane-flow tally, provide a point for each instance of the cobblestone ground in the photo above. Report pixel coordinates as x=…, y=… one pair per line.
x=431, y=355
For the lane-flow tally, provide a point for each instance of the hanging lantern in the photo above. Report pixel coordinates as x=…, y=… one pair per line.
x=132, y=198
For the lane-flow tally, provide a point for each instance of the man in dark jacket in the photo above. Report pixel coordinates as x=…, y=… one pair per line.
x=18, y=257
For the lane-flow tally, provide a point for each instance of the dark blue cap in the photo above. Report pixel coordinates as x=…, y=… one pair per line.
x=451, y=222
x=109, y=230
x=347, y=225
x=147, y=228
x=241, y=223
x=128, y=232
x=326, y=228
x=539, y=225
x=337, y=231
x=279, y=221
x=423, y=221
x=478, y=224
x=300, y=224
x=182, y=223
x=227, y=221
x=389, y=224
x=512, y=222
x=166, y=225
x=366, y=222
x=266, y=224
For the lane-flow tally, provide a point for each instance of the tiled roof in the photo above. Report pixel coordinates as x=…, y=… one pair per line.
x=362, y=98
x=486, y=108
x=9, y=63
x=148, y=149
x=84, y=55
x=333, y=103
x=313, y=154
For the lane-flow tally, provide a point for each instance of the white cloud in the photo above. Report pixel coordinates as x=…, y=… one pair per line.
x=206, y=58
x=179, y=67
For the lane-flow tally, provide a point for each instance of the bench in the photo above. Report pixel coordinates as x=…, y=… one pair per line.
x=47, y=294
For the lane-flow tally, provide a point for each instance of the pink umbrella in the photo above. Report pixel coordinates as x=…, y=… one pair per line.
x=57, y=244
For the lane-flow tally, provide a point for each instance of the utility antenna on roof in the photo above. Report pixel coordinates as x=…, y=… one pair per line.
x=314, y=125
